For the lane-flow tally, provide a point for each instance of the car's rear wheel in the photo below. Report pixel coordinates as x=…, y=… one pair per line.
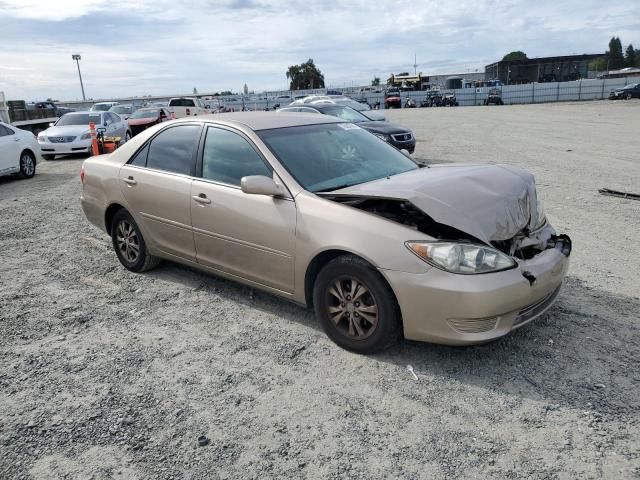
x=129, y=244
x=356, y=306
x=27, y=165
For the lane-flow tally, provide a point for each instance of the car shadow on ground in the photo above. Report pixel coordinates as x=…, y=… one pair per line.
x=583, y=353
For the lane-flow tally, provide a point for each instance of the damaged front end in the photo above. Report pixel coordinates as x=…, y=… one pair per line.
x=525, y=245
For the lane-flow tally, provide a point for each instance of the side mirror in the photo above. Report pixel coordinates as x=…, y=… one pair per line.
x=261, y=185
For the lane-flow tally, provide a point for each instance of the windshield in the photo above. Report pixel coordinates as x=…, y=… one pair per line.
x=78, y=119
x=121, y=109
x=335, y=155
x=101, y=107
x=182, y=102
x=346, y=113
x=152, y=113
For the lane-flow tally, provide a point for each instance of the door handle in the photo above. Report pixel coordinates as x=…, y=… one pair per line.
x=201, y=198
x=129, y=180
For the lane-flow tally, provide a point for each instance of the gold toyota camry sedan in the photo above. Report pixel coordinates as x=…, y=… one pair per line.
x=321, y=212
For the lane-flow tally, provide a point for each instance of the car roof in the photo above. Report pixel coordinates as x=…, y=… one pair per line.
x=268, y=120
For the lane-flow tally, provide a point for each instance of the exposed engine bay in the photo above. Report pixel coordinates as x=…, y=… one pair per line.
x=525, y=245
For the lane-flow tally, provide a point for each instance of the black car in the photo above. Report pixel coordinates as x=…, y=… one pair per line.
x=399, y=137
x=626, y=93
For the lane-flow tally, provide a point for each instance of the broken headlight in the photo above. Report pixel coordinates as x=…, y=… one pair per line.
x=463, y=258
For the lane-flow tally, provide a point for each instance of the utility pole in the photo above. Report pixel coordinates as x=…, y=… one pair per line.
x=415, y=64
x=77, y=58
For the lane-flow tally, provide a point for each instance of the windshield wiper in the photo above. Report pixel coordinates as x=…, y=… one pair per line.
x=339, y=187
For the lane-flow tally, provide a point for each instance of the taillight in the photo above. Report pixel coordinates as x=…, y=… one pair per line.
x=82, y=174
x=188, y=112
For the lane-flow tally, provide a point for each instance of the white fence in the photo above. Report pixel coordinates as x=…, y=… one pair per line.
x=595, y=89
x=591, y=89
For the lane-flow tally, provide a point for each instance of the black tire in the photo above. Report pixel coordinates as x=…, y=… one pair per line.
x=629, y=96
x=352, y=273
x=27, y=164
x=48, y=157
x=127, y=240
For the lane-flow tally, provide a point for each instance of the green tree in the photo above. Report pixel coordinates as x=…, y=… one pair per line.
x=515, y=55
x=599, y=64
x=375, y=82
x=616, y=59
x=630, y=59
x=305, y=76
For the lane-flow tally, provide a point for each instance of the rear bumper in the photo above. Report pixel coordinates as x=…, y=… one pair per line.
x=442, y=307
x=93, y=211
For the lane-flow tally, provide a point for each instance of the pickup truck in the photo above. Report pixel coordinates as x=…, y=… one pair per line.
x=187, y=106
x=34, y=117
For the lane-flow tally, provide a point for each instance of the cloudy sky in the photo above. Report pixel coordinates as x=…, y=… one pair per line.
x=172, y=46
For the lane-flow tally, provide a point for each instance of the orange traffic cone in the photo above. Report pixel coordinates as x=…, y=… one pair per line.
x=94, y=139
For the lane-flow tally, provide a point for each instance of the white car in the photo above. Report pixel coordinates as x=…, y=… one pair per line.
x=19, y=151
x=70, y=134
x=187, y=106
x=125, y=111
x=103, y=106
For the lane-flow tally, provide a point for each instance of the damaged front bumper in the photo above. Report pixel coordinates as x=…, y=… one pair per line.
x=447, y=308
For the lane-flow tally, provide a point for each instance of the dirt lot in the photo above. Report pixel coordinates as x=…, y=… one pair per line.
x=109, y=374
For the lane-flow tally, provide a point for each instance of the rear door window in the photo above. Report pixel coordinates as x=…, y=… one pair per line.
x=172, y=150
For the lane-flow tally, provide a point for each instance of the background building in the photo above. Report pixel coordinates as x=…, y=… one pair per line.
x=545, y=69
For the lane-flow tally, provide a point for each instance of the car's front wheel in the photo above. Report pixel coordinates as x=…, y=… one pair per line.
x=129, y=244
x=629, y=96
x=356, y=306
x=27, y=165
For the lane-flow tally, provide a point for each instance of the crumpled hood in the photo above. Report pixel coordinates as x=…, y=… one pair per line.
x=490, y=202
x=66, y=131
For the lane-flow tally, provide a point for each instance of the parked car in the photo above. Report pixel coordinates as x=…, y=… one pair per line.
x=70, y=134
x=103, y=106
x=398, y=136
x=185, y=107
x=125, y=111
x=449, y=100
x=433, y=98
x=626, y=93
x=320, y=212
x=392, y=98
x=19, y=151
x=363, y=108
x=50, y=106
x=147, y=117
x=494, y=97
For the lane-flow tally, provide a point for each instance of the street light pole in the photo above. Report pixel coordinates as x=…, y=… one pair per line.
x=77, y=58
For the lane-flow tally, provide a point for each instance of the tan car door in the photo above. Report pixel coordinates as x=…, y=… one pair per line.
x=251, y=236
x=157, y=186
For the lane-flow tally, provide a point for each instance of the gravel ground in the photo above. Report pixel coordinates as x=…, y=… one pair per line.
x=108, y=374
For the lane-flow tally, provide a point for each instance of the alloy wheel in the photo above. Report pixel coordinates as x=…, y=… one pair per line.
x=352, y=308
x=127, y=241
x=26, y=164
